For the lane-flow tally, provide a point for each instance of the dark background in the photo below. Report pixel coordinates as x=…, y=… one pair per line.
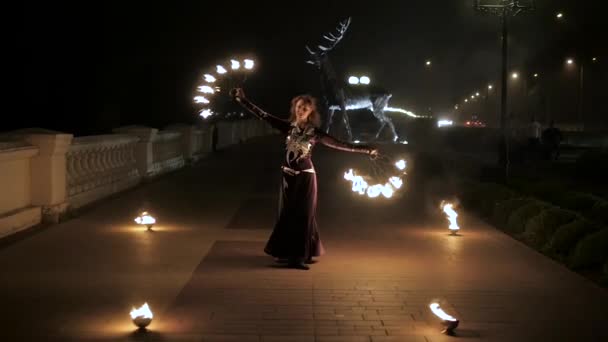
x=87, y=67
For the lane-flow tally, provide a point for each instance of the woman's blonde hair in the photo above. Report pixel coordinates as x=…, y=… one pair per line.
x=314, y=118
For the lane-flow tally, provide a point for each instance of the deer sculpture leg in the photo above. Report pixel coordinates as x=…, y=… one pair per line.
x=378, y=110
x=347, y=124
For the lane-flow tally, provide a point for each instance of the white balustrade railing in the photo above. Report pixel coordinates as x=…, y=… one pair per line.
x=100, y=165
x=167, y=152
x=44, y=173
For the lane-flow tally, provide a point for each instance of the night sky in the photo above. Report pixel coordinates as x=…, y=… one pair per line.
x=87, y=67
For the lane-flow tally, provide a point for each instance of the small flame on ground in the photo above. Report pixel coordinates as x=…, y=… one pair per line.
x=401, y=164
x=209, y=78
x=448, y=209
x=201, y=99
x=438, y=311
x=144, y=312
x=145, y=218
x=234, y=64
x=205, y=89
x=248, y=64
x=220, y=69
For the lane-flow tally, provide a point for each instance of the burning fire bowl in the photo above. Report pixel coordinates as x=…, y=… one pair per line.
x=142, y=322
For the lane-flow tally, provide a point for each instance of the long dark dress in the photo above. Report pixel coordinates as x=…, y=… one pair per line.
x=295, y=234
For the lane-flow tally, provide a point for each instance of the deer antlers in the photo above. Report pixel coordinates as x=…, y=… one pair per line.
x=333, y=39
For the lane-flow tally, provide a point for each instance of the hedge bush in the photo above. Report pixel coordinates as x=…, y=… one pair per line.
x=590, y=251
x=504, y=209
x=517, y=220
x=568, y=235
x=578, y=201
x=541, y=227
x=599, y=212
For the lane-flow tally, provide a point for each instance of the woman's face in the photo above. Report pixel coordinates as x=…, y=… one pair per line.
x=303, y=110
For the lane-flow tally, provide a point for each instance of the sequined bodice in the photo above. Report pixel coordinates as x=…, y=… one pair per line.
x=298, y=146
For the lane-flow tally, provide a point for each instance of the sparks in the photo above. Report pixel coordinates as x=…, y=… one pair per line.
x=248, y=64
x=220, y=69
x=364, y=80
x=209, y=78
x=438, y=311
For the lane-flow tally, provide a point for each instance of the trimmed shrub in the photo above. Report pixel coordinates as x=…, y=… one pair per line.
x=491, y=194
x=578, y=201
x=503, y=210
x=541, y=227
x=518, y=219
x=567, y=236
x=599, y=212
x=592, y=250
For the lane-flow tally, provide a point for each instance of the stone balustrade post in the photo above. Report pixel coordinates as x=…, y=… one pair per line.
x=144, y=155
x=48, y=171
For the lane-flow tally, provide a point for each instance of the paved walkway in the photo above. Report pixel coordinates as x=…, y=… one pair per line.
x=206, y=278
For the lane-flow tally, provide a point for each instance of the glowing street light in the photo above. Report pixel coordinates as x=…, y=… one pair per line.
x=490, y=86
x=535, y=75
x=594, y=59
x=456, y=107
x=559, y=15
x=353, y=80
x=570, y=61
x=514, y=75
x=472, y=96
x=476, y=93
x=428, y=63
x=466, y=100
x=142, y=317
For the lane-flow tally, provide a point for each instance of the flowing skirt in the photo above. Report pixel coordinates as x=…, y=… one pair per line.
x=295, y=234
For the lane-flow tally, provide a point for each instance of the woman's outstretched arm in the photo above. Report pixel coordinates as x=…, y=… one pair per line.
x=239, y=96
x=334, y=143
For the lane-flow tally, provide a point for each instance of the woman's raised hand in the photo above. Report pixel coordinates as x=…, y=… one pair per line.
x=237, y=93
x=373, y=153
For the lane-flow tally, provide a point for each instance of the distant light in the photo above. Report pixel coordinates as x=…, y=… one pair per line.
x=472, y=96
x=490, y=86
x=559, y=15
x=357, y=141
x=594, y=59
x=514, y=75
x=466, y=100
x=456, y=107
x=364, y=80
x=570, y=61
x=353, y=80
x=535, y=75
x=477, y=94
x=428, y=63
x=443, y=123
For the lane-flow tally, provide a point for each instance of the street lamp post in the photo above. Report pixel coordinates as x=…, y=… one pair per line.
x=505, y=9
